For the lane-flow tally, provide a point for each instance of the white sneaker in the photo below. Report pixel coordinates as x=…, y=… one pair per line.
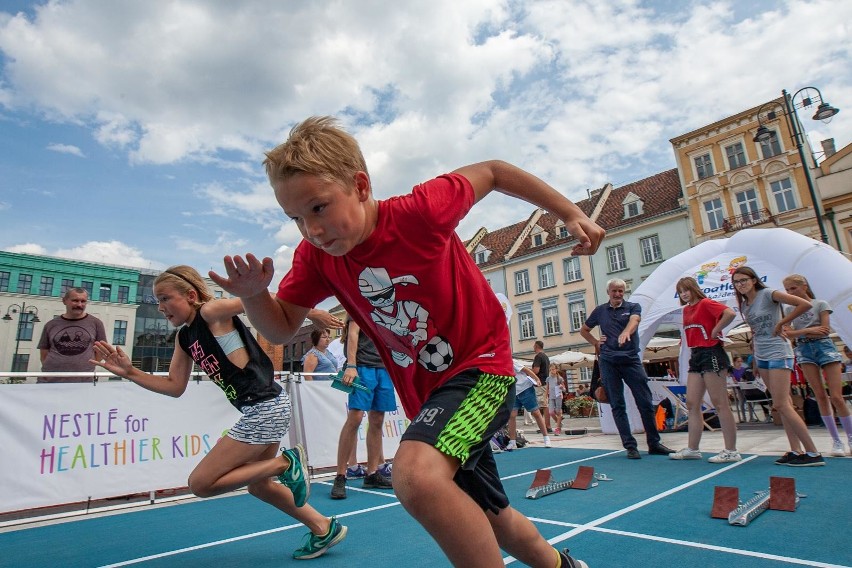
x=547, y=442
x=837, y=449
x=512, y=445
x=726, y=456
x=685, y=454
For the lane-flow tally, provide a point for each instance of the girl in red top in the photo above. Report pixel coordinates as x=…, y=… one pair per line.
x=703, y=322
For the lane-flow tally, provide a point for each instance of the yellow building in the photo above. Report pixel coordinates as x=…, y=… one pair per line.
x=732, y=182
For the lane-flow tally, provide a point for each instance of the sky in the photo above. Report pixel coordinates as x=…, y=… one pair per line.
x=133, y=133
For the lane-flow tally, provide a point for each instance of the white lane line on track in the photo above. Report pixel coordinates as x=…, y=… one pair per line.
x=237, y=538
x=615, y=514
x=701, y=545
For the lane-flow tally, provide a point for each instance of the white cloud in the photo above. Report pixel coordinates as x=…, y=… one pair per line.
x=28, y=248
x=580, y=93
x=107, y=252
x=66, y=149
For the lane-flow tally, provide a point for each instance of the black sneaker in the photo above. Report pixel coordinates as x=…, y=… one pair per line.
x=660, y=450
x=338, y=490
x=377, y=481
x=804, y=460
x=786, y=458
x=569, y=562
x=633, y=454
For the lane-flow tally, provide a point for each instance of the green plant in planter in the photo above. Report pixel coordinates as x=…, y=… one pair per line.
x=580, y=405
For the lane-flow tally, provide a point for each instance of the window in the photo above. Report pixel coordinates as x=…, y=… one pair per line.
x=45, y=288
x=4, y=281
x=537, y=240
x=119, y=333
x=783, y=192
x=651, y=251
x=123, y=294
x=703, y=166
x=615, y=257
x=571, y=266
x=771, y=147
x=21, y=363
x=545, y=276
x=525, y=321
x=736, y=155
x=715, y=215
x=481, y=257
x=562, y=232
x=585, y=374
x=105, y=292
x=25, y=326
x=748, y=207
x=577, y=310
x=25, y=283
x=67, y=284
x=89, y=287
x=218, y=294
x=551, y=320
x=522, y=282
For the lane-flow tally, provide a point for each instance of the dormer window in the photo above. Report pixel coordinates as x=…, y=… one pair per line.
x=561, y=231
x=538, y=236
x=632, y=206
x=481, y=254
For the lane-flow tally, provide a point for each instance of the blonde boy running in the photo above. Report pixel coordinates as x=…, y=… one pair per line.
x=404, y=276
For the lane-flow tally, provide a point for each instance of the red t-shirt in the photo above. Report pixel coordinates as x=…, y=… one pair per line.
x=699, y=320
x=414, y=289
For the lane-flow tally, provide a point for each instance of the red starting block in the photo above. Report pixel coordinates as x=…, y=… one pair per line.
x=543, y=483
x=781, y=496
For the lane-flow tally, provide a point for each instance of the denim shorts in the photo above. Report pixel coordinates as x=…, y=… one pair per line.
x=820, y=352
x=775, y=364
x=527, y=400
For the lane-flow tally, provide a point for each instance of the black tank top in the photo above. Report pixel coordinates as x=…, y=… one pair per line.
x=246, y=386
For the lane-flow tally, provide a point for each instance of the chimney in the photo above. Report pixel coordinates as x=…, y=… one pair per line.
x=828, y=147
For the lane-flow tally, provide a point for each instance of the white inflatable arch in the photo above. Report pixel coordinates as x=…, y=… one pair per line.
x=772, y=253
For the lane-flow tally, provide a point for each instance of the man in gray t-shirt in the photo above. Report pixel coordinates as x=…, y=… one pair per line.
x=66, y=342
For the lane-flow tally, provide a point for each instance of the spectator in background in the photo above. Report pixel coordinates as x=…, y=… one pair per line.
x=621, y=364
x=318, y=359
x=525, y=380
x=364, y=363
x=540, y=366
x=67, y=342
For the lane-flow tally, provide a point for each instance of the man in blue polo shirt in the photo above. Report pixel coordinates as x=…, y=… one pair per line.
x=620, y=360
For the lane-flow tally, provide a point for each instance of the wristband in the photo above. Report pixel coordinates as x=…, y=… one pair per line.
x=348, y=366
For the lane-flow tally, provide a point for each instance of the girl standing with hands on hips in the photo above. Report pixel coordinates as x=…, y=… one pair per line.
x=214, y=338
x=703, y=322
x=816, y=354
x=773, y=357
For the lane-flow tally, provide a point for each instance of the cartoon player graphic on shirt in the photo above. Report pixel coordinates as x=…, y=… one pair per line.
x=402, y=324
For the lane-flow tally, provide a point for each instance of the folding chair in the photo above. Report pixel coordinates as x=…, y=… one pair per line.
x=677, y=393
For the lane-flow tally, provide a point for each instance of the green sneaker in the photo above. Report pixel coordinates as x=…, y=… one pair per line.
x=314, y=545
x=296, y=477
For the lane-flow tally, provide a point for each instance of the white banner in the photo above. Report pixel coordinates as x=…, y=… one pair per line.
x=66, y=443
x=324, y=409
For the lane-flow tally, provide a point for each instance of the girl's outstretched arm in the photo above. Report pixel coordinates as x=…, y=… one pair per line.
x=116, y=361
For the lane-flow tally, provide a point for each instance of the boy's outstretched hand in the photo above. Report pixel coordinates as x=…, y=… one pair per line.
x=588, y=233
x=246, y=278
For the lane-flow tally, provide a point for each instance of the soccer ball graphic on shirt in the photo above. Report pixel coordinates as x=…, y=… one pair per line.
x=436, y=355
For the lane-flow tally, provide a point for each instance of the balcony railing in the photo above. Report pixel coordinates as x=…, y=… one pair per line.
x=738, y=222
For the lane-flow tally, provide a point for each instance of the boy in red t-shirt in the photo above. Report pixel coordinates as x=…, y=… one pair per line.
x=399, y=269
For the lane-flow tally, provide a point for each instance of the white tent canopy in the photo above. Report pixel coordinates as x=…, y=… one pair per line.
x=573, y=359
x=772, y=253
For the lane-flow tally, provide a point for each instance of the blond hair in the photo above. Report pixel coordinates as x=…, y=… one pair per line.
x=801, y=281
x=184, y=278
x=317, y=146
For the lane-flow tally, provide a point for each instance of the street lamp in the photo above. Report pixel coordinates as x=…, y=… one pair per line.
x=31, y=313
x=824, y=112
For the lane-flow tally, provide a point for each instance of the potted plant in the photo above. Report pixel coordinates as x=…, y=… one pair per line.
x=581, y=406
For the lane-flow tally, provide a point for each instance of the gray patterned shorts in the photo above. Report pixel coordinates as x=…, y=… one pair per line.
x=264, y=422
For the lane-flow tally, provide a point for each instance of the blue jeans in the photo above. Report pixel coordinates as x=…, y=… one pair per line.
x=614, y=376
